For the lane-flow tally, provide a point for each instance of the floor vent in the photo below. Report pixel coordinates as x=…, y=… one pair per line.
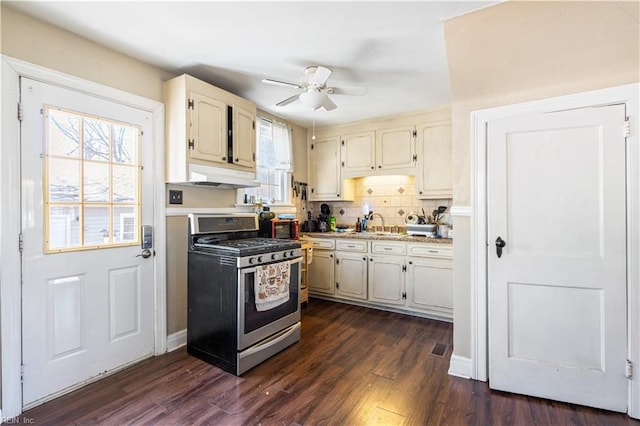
x=439, y=349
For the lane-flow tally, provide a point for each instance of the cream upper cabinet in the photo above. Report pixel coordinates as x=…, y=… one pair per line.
x=200, y=120
x=207, y=139
x=325, y=178
x=244, y=140
x=358, y=153
x=434, y=179
x=396, y=148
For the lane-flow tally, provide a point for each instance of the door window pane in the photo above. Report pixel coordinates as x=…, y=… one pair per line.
x=92, y=181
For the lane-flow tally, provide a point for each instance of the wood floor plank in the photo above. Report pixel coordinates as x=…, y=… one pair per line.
x=352, y=366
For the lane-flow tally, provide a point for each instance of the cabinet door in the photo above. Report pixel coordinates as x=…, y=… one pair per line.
x=358, y=153
x=395, y=148
x=430, y=285
x=351, y=275
x=434, y=176
x=321, y=273
x=324, y=169
x=244, y=137
x=386, y=280
x=208, y=124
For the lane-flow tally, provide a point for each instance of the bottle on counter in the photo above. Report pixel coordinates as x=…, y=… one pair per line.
x=358, y=225
x=332, y=223
x=363, y=225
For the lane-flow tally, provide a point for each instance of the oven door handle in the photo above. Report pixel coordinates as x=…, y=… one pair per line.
x=251, y=270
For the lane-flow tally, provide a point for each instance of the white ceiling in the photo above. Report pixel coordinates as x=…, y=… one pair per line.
x=394, y=49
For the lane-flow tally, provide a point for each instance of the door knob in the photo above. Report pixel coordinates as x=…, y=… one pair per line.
x=146, y=253
x=500, y=243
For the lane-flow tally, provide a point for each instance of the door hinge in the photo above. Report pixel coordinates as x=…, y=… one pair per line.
x=629, y=371
x=415, y=133
x=20, y=242
x=254, y=156
x=311, y=146
x=415, y=157
x=404, y=268
x=192, y=144
x=342, y=143
x=253, y=125
x=190, y=104
x=627, y=128
x=20, y=111
x=343, y=164
x=337, y=285
x=21, y=373
x=404, y=295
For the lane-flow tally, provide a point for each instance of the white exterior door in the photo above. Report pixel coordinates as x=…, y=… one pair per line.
x=87, y=297
x=557, y=294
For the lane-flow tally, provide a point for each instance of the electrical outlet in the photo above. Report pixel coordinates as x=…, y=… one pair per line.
x=175, y=196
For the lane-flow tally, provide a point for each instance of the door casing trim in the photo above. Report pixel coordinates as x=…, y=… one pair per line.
x=625, y=94
x=10, y=220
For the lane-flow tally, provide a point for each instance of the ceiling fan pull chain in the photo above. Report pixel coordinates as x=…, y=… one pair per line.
x=313, y=123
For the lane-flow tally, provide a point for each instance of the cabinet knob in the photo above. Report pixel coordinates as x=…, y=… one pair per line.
x=224, y=158
x=379, y=167
x=372, y=167
x=337, y=195
x=420, y=192
x=237, y=159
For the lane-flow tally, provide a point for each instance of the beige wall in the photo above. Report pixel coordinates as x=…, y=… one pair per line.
x=520, y=51
x=34, y=41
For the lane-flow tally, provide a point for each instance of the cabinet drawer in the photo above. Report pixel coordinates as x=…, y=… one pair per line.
x=429, y=250
x=351, y=245
x=386, y=247
x=324, y=244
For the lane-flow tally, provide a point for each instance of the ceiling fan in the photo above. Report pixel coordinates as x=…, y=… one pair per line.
x=315, y=91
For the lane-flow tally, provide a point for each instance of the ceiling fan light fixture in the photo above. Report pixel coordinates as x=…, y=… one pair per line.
x=313, y=99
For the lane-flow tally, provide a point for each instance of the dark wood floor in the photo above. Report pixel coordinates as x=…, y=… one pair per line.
x=353, y=366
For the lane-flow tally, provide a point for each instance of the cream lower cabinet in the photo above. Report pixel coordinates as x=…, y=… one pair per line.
x=321, y=270
x=386, y=280
x=386, y=272
x=430, y=285
x=351, y=275
x=351, y=268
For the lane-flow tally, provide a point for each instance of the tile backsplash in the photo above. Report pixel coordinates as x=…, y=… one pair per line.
x=391, y=196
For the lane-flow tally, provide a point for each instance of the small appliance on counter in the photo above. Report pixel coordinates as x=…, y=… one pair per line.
x=277, y=226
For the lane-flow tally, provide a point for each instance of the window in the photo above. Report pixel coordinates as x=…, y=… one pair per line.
x=91, y=181
x=274, y=163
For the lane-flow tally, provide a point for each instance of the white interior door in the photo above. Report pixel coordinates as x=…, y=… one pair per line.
x=557, y=295
x=87, y=297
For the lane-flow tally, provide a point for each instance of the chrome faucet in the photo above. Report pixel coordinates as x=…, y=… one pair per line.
x=371, y=215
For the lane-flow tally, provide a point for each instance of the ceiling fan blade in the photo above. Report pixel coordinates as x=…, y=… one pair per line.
x=356, y=91
x=288, y=100
x=320, y=76
x=328, y=104
x=281, y=83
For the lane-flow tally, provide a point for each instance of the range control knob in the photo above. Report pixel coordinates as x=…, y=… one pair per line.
x=260, y=259
x=292, y=253
x=252, y=260
x=285, y=254
x=274, y=256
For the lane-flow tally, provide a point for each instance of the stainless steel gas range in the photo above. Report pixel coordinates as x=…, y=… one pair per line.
x=243, y=292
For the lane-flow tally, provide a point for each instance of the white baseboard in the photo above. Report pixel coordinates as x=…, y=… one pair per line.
x=460, y=367
x=176, y=340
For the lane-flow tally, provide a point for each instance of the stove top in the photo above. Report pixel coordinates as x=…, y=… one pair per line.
x=243, y=246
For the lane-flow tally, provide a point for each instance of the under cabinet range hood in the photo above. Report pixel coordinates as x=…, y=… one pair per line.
x=220, y=177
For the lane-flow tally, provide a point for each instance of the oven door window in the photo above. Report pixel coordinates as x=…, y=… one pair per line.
x=255, y=320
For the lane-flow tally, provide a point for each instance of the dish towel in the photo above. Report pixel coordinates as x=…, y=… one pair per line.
x=272, y=285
